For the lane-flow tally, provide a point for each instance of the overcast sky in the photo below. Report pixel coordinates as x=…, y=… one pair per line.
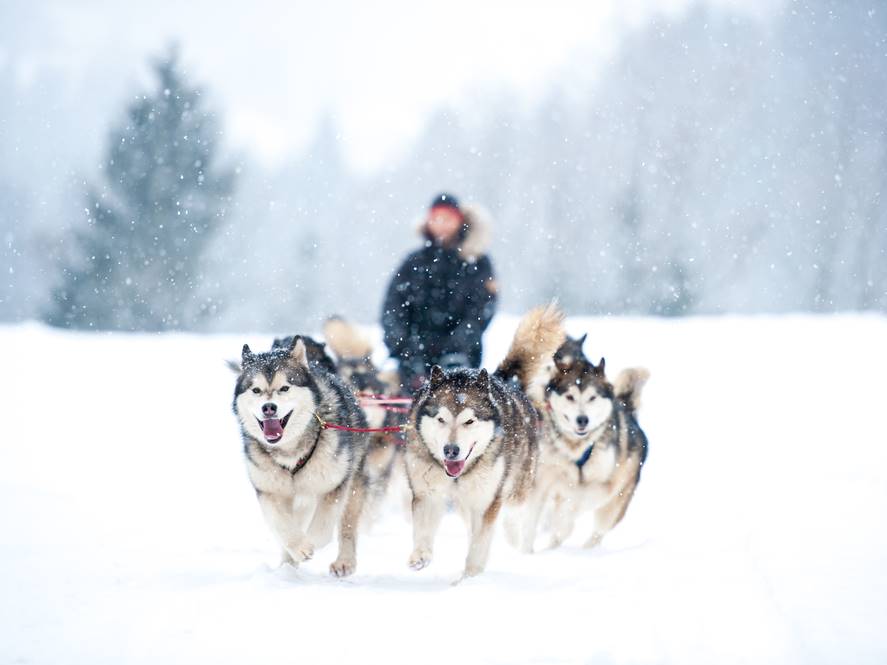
x=274, y=67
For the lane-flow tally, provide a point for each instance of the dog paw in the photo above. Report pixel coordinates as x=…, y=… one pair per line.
x=594, y=541
x=343, y=567
x=300, y=553
x=526, y=548
x=419, y=559
x=472, y=571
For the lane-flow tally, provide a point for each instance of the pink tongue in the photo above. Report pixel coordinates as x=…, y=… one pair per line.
x=271, y=429
x=454, y=468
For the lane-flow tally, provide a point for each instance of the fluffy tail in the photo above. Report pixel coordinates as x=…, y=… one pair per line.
x=538, y=336
x=628, y=385
x=345, y=340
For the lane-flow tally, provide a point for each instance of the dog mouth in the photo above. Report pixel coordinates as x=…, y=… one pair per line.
x=272, y=428
x=582, y=433
x=454, y=468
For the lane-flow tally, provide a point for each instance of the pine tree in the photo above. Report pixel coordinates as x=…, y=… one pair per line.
x=138, y=259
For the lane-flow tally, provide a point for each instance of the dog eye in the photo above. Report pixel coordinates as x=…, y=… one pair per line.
x=257, y=390
x=469, y=422
x=592, y=398
x=441, y=420
x=283, y=389
x=570, y=398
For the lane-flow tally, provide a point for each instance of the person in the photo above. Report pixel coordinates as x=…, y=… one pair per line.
x=442, y=297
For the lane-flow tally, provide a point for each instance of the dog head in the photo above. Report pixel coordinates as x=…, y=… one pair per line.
x=314, y=350
x=275, y=395
x=362, y=375
x=569, y=353
x=455, y=417
x=580, y=397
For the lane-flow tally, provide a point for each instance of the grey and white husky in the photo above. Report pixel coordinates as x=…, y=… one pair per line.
x=472, y=441
x=592, y=448
x=355, y=367
x=307, y=478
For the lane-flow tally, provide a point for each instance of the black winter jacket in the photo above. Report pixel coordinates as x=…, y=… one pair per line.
x=439, y=302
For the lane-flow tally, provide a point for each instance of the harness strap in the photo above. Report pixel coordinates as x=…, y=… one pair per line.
x=325, y=425
x=304, y=460
x=385, y=398
x=582, y=460
x=384, y=406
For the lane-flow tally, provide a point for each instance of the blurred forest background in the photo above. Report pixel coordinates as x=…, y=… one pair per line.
x=714, y=161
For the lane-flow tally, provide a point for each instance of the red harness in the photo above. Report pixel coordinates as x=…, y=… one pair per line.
x=325, y=425
x=384, y=402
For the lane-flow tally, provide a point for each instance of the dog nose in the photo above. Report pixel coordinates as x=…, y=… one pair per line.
x=269, y=408
x=582, y=421
x=451, y=451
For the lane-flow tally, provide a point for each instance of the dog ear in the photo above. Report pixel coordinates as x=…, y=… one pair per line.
x=581, y=341
x=298, y=353
x=483, y=380
x=600, y=367
x=245, y=354
x=437, y=376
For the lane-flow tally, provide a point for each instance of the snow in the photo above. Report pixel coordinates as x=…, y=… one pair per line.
x=131, y=534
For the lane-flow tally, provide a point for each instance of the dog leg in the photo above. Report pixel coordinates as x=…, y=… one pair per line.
x=563, y=519
x=609, y=515
x=482, y=524
x=512, y=521
x=320, y=532
x=346, y=562
x=530, y=523
x=428, y=510
x=378, y=467
x=286, y=522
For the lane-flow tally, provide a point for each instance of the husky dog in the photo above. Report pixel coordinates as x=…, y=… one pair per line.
x=592, y=447
x=472, y=440
x=356, y=368
x=314, y=350
x=307, y=477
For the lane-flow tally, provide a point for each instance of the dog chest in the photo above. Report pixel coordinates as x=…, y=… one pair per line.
x=479, y=486
x=320, y=474
x=600, y=465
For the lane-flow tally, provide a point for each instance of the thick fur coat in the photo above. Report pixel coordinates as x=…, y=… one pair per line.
x=308, y=479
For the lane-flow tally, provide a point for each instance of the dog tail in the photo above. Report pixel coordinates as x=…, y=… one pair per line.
x=628, y=385
x=345, y=340
x=538, y=336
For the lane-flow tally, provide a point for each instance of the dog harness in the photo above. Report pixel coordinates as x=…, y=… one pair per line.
x=304, y=460
x=582, y=460
x=325, y=425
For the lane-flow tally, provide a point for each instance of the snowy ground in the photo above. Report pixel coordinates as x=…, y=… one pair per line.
x=130, y=533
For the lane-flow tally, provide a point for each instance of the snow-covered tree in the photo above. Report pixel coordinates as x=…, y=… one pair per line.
x=138, y=258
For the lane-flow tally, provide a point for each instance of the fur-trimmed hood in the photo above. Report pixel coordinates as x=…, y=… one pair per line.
x=476, y=240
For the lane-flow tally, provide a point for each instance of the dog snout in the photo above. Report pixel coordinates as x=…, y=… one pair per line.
x=269, y=409
x=451, y=451
x=582, y=421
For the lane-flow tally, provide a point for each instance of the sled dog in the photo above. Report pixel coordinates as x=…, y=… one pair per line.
x=592, y=448
x=356, y=368
x=307, y=478
x=472, y=441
